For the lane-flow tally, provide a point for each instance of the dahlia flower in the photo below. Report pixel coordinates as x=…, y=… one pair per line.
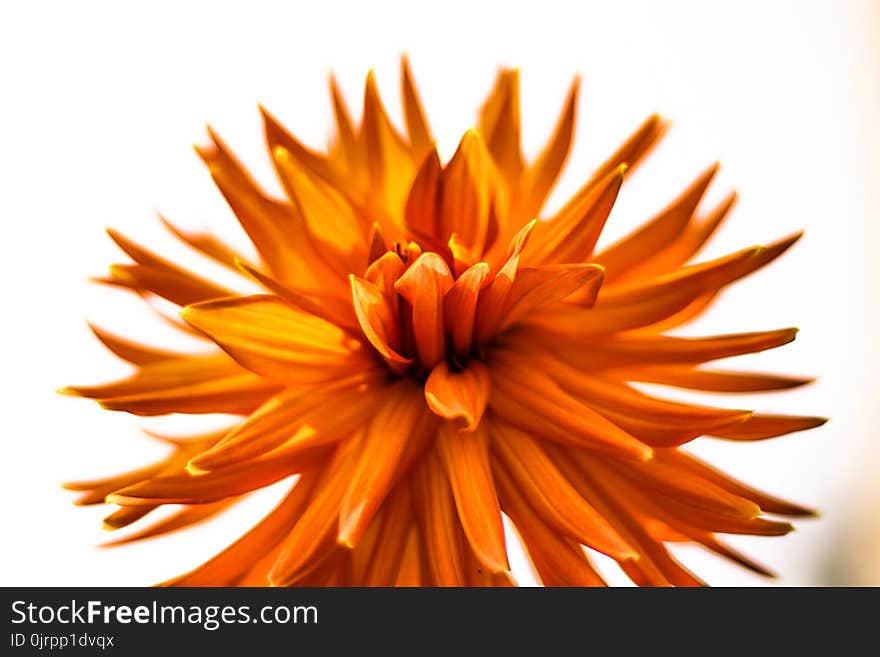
x=431, y=351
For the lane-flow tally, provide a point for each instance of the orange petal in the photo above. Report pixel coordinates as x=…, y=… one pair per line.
x=558, y=559
x=688, y=244
x=384, y=272
x=230, y=564
x=465, y=457
x=767, y=502
x=331, y=219
x=133, y=352
x=185, y=488
x=686, y=376
x=287, y=255
x=657, y=233
x=532, y=401
x=654, y=566
x=416, y=124
x=468, y=194
x=172, y=283
x=628, y=349
x=460, y=395
x=348, y=142
x=391, y=541
x=185, y=517
x=421, y=213
x=493, y=299
x=330, y=308
x=636, y=147
x=435, y=511
x=412, y=570
x=551, y=494
x=377, y=465
x=390, y=165
x=688, y=490
x=278, y=137
x=295, y=420
x=571, y=234
x=765, y=425
x=205, y=243
x=534, y=288
x=311, y=539
x=378, y=322
x=499, y=122
x=600, y=392
x=423, y=285
x=200, y=287
x=268, y=336
x=460, y=305
x=542, y=174
x=211, y=383
x=586, y=322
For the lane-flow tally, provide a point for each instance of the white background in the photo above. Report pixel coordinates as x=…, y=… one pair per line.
x=101, y=101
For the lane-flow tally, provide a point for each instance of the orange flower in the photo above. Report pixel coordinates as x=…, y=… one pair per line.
x=427, y=355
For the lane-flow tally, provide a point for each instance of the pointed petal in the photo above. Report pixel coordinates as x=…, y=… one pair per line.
x=493, y=299
x=688, y=490
x=205, y=243
x=378, y=322
x=332, y=222
x=185, y=488
x=185, y=517
x=423, y=285
x=465, y=457
x=657, y=233
x=654, y=565
x=537, y=287
x=226, y=567
x=624, y=350
x=212, y=383
x=422, y=206
x=500, y=124
x=686, y=376
x=765, y=425
x=688, y=244
x=392, y=538
x=416, y=124
x=435, y=511
x=543, y=173
x=297, y=421
x=634, y=150
x=377, y=465
x=133, y=352
x=532, y=401
x=311, y=539
x=571, y=234
x=329, y=308
x=460, y=306
x=468, y=196
x=348, y=142
x=558, y=559
x=261, y=217
x=390, y=165
x=767, y=502
x=266, y=335
x=176, y=285
x=551, y=494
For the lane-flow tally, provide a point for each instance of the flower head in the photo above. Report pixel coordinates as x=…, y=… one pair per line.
x=427, y=354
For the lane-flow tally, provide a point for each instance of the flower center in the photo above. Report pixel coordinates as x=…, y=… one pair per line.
x=416, y=312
